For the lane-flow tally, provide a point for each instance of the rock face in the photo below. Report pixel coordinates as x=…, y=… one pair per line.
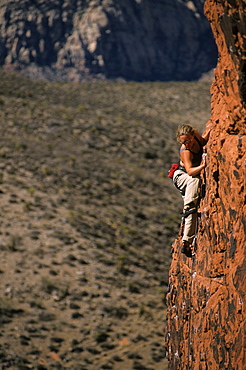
x=206, y=299
x=133, y=39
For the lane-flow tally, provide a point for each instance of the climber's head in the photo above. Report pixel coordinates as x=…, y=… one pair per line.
x=185, y=130
x=185, y=135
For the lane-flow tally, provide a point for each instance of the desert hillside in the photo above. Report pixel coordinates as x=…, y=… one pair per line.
x=88, y=217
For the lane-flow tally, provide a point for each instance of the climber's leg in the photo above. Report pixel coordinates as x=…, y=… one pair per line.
x=190, y=223
x=190, y=187
x=191, y=190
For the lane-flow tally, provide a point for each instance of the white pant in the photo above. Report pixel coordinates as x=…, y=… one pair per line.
x=189, y=187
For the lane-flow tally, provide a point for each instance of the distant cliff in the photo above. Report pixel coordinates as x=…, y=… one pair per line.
x=133, y=39
x=206, y=299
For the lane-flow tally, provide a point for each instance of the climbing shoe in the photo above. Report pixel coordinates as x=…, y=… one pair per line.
x=186, y=249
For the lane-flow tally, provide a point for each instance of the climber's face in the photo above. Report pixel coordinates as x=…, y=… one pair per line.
x=187, y=140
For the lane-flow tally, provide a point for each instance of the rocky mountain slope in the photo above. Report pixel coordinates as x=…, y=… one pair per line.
x=87, y=220
x=206, y=300
x=133, y=39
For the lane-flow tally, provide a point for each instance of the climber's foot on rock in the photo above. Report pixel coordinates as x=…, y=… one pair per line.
x=186, y=249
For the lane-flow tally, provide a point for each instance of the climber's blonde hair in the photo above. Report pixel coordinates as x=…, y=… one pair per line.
x=185, y=130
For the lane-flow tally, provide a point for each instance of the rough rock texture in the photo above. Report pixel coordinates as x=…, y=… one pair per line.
x=133, y=39
x=206, y=299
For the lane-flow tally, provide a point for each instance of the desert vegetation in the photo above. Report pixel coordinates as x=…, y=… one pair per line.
x=88, y=217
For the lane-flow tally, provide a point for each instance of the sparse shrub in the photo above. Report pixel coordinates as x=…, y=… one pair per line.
x=122, y=264
x=48, y=286
x=72, y=161
x=46, y=170
x=133, y=287
x=5, y=304
x=101, y=337
x=60, y=287
x=36, y=304
x=31, y=191
x=81, y=108
x=13, y=243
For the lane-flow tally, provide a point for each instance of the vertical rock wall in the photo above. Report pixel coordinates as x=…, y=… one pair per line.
x=206, y=299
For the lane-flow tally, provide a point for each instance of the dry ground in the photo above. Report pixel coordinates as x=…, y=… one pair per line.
x=88, y=217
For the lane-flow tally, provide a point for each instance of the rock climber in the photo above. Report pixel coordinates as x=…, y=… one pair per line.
x=187, y=179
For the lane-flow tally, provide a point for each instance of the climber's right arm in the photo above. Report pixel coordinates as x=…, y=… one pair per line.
x=186, y=159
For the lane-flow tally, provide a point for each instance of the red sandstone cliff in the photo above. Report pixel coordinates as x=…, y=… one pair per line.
x=206, y=299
